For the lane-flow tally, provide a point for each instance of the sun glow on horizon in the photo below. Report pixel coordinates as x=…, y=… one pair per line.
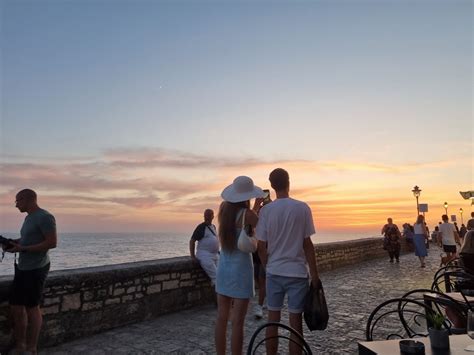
x=137, y=119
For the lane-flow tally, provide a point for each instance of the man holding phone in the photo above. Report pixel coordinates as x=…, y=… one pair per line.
x=285, y=248
x=38, y=236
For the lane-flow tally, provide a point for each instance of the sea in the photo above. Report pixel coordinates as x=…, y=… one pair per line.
x=78, y=250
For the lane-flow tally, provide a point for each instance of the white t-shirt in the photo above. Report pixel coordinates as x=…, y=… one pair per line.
x=419, y=228
x=447, y=233
x=284, y=224
x=209, y=243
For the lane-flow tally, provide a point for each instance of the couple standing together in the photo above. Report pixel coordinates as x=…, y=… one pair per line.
x=283, y=229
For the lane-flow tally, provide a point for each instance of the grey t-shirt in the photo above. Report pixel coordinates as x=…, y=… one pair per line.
x=35, y=227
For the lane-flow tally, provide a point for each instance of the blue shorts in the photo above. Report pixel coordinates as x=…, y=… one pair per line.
x=295, y=287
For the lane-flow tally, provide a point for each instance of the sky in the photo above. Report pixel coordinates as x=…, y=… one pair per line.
x=134, y=115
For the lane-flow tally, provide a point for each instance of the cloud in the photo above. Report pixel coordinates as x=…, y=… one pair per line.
x=157, y=157
x=155, y=186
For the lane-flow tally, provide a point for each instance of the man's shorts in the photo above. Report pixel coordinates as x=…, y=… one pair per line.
x=295, y=287
x=449, y=248
x=27, y=287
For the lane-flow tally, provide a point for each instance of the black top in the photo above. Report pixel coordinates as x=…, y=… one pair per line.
x=200, y=230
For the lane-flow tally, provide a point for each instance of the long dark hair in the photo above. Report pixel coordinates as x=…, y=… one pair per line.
x=226, y=217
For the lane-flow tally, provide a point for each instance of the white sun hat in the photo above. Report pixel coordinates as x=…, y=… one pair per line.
x=242, y=189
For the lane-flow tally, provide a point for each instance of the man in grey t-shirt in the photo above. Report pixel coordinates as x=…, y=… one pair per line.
x=38, y=235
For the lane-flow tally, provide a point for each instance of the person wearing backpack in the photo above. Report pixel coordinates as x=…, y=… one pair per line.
x=391, y=241
x=207, y=252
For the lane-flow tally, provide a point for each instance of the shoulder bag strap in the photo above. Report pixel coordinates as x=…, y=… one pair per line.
x=209, y=227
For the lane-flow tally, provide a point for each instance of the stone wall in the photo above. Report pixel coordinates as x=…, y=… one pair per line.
x=82, y=302
x=338, y=254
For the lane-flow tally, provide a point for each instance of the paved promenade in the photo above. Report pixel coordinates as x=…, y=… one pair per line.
x=352, y=293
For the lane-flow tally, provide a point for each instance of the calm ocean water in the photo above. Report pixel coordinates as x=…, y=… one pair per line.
x=76, y=250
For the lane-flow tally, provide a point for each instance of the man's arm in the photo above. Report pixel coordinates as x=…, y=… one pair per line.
x=308, y=248
x=440, y=239
x=457, y=239
x=262, y=252
x=192, y=244
x=49, y=242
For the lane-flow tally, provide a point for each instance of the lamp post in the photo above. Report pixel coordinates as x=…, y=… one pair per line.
x=416, y=192
x=446, y=208
x=461, y=211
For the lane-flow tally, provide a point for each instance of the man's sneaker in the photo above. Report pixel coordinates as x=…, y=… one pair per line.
x=258, y=312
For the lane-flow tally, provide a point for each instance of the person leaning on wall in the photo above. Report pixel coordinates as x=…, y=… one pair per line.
x=207, y=252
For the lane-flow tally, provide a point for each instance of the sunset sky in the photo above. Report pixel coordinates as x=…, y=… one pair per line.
x=134, y=115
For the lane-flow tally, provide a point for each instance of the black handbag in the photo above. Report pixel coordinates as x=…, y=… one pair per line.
x=315, y=312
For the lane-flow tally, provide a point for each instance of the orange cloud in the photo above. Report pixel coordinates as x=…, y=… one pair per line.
x=150, y=189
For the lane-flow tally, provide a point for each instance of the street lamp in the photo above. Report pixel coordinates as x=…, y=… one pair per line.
x=446, y=208
x=461, y=211
x=416, y=192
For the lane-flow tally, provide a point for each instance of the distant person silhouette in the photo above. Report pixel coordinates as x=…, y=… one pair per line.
x=470, y=223
x=392, y=236
x=421, y=235
x=449, y=237
x=38, y=235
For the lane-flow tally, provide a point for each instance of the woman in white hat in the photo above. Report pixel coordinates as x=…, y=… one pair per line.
x=234, y=281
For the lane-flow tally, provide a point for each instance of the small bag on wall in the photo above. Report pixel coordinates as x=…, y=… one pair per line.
x=246, y=243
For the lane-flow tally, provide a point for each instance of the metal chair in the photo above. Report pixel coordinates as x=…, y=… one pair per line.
x=255, y=343
x=442, y=303
x=451, y=281
x=398, y=318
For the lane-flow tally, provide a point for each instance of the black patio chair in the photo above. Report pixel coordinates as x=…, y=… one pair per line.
x=442, y=303
x=398, y=318
x=256, y=342
x=452, y=281
x=449, y=267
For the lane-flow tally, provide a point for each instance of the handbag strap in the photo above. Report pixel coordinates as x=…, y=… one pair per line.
x=243, y=218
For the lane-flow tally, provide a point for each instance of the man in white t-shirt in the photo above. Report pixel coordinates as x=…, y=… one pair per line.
x=449, y=236
x=207, y=253
x=285, y=248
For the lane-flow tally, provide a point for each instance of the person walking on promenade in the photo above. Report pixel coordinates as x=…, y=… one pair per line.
x=435, y=235
x=449, y=237
x=462, y=231
x=286, y=250
x=420, y=239
x=235, y=279
x=408, y=235
x=466, y=254
x=470, y=223
x=38, y=235
x=208, y=245
x=391, y=242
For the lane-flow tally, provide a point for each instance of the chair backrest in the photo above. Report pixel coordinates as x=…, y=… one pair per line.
x=256, y=341
x=450, y=281
x=449, y=267
x=398, y=318
x=441, y=303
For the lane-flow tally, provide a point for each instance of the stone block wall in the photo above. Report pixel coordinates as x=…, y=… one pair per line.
x=85, y=301
x=337, y=254
x=82, y=302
